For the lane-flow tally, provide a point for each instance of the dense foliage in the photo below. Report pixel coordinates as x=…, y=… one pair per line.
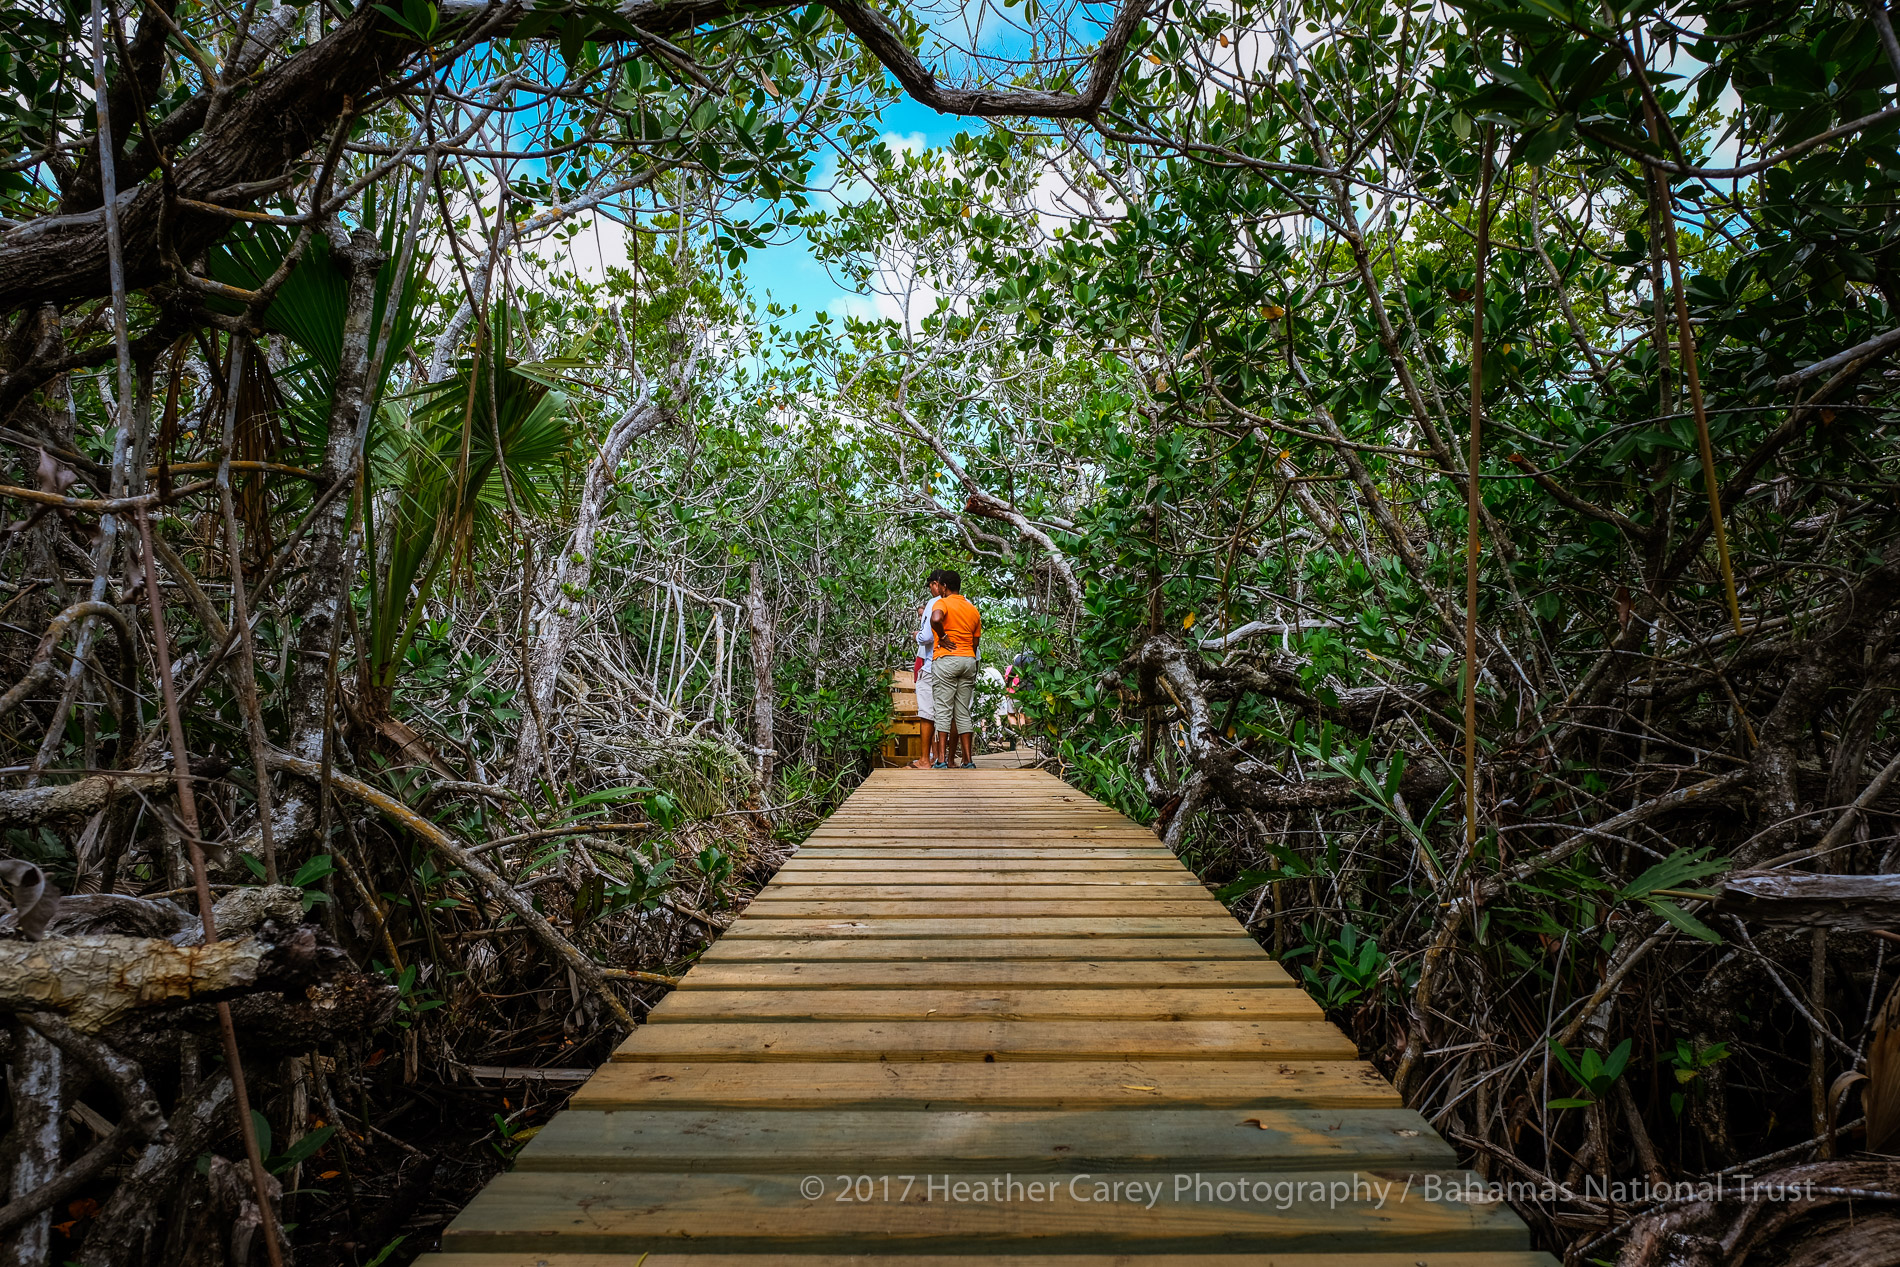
x=1436, y=465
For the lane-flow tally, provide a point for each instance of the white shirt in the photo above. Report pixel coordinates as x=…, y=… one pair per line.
x=926, y=636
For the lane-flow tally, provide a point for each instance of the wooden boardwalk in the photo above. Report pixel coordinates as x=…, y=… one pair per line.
x=982, y=1018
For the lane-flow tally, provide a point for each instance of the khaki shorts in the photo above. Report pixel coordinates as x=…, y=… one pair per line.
x=954, y=685
x=926, y=698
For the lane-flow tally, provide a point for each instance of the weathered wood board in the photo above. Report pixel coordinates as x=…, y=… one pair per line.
x=987, y=1040
x=619, y=1212
x=834, y=948
x=985, y=974
x=785, y=1004
x=973, y=1140
x=971, y=1084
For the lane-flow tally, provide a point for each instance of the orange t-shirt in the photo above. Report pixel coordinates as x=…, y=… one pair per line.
x=962, y=626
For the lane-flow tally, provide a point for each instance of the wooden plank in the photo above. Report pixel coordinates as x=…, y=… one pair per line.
x=636, y=1213
x=954, y=808
x=1074, y=836
x=1081, y=852
x=989, y=974
x=525, y=1073
x=759, y=927
x=1251, y=1084
x=1055, y=837
x=869, y=799
x=1006, y=861
x=1014, y=791
x=1017, y=1140
x=963, y=782
x=1012, y=805
x=987, y=1040
x=974, y=818
x=1016, y=843
x=1087, y=881
x=1228, y=944
x=994, y=822
x=1011, y=1005
x=1058, y=870
x=1001, y=837
x=979, y=824
x=930, y=899
x=1402, y=1258
x=1000, y=888
x=773, y=908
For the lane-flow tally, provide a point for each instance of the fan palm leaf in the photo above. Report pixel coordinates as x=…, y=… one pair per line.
x=308, y=310
x=444, y=463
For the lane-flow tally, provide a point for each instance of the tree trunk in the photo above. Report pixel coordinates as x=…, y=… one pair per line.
x=35, y=1077
x=320, y=606
x=759, y=617
x=556, y=614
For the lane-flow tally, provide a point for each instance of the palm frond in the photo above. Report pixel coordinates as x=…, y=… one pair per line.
x=439, y=458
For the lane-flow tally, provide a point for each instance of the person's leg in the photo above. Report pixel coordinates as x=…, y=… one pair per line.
x=943, y=689
x=965, y=710
x=926, y=718
x=927, y=731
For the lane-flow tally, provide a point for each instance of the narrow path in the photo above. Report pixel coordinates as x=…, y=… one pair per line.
x=982, y=1018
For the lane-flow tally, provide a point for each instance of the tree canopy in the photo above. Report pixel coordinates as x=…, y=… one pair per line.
x=1427, y=461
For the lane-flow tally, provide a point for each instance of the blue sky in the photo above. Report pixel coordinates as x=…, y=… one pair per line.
x=789, y=274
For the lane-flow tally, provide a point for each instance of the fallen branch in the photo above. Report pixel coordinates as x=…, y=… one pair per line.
x=37, y=806
x=1521, y=871
x=461, y=856
x=1844, y=903
x=628, y=974
x=95, y=980
x=1277, y=628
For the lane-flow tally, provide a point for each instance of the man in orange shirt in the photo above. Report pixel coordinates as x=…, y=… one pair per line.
x=953, y=670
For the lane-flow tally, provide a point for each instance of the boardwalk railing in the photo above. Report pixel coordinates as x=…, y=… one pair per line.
x=980, y=1017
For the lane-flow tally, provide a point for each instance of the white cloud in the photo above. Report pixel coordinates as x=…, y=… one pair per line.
x=600, y=244
x=862, y=307
x=837, y=180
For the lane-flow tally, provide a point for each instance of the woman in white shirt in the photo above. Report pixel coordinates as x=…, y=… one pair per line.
x=920, y=671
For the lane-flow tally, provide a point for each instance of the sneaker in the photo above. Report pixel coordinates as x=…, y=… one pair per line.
x=938, y=765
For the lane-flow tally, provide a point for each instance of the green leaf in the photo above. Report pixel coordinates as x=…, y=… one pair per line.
x=301, y=1151
x=1683, y=920
x=1618, y=1061
x=260, y=1129
x=314, y=871
x=1684, y=866
x=382, y=1255
x=574, y=33
x=1250, y=879
x=1553, y=8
